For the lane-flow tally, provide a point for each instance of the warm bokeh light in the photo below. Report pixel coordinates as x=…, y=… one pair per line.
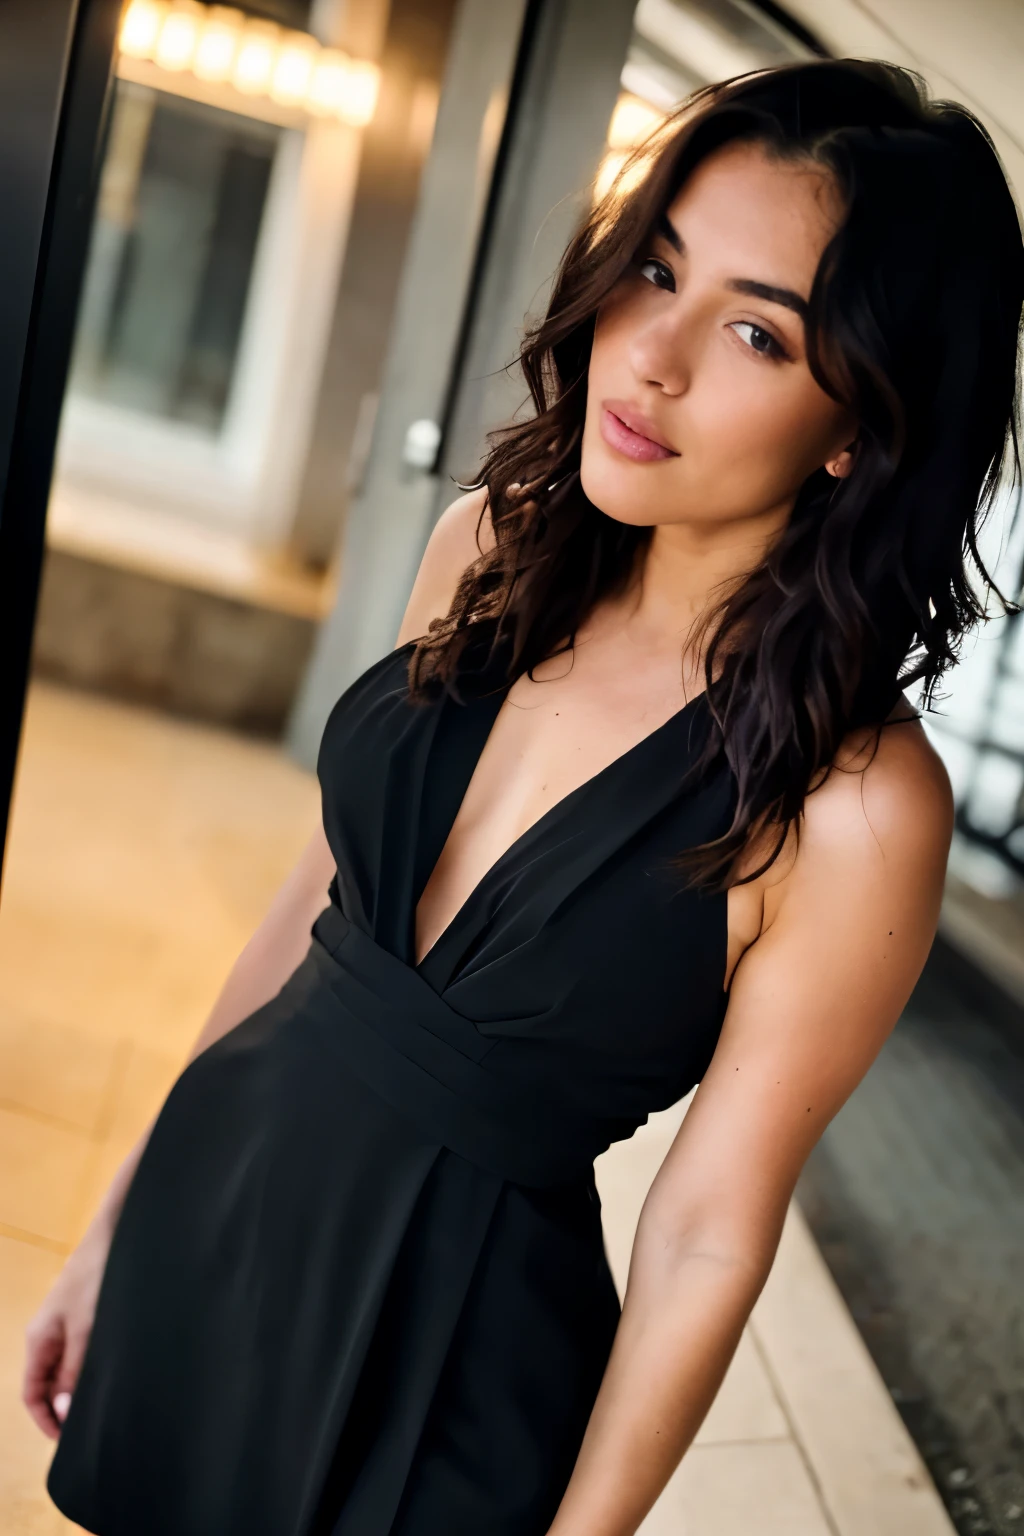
x=343, y=87
x=621, y=172
x=140, y=28
x=293, y=70
x=218, y=44
x=254, y=62
x=327, y=88
x=360, y=98
x=179, y=34
x=611, y=165
x=632, y=120
x=221, y=45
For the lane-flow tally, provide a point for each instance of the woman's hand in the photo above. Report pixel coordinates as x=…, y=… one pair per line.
x=56, y=1337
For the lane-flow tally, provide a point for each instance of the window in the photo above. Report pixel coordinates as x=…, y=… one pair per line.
x=182, y=198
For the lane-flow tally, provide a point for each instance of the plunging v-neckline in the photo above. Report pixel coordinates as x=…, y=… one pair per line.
x=536, y=828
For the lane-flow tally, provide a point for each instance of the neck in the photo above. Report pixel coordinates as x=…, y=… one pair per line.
x=689, y=567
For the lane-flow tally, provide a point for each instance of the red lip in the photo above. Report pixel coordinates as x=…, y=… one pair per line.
x=629, y=431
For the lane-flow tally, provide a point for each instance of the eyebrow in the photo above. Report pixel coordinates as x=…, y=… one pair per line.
x=748, y=285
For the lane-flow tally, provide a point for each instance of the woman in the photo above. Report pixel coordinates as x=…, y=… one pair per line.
x=637, y=803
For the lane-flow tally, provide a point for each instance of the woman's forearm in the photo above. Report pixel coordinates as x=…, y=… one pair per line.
x=682, y=1318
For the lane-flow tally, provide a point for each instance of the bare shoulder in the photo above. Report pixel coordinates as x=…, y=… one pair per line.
x=849, y=919
x=888, y=789
x=881, y=821
x=461, y=535
x=463, y=531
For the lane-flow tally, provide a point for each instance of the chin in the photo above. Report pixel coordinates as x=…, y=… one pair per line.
x=618, y=490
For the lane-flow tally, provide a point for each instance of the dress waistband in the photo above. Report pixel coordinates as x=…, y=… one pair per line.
x=427, y=1062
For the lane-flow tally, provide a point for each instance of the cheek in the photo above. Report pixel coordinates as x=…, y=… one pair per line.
x=757, y=424
x=608, y=352
x=750, y=432
x=606, y=371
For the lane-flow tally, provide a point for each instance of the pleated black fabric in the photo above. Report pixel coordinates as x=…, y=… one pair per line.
x=358, y=1286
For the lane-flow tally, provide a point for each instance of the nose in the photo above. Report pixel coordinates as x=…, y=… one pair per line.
x=659, y=351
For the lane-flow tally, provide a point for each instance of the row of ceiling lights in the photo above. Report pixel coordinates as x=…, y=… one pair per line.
x=223, y=46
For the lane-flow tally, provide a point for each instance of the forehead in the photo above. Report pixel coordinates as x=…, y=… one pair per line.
x=773, y=217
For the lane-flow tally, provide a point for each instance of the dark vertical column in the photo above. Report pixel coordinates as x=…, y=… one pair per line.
x=55, y=65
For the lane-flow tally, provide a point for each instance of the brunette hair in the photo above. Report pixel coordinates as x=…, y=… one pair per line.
x=913, y=323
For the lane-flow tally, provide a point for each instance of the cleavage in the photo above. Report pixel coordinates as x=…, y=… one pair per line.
x=548, y=740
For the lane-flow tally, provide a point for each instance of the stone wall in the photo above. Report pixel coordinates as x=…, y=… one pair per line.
x=164, y=643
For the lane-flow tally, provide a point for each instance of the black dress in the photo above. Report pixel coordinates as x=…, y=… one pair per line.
x=358, y=1286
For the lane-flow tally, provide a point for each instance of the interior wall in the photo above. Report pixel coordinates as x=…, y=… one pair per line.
x=395, y=147
x=972, y=51
x=560, y=140
x=392, y=510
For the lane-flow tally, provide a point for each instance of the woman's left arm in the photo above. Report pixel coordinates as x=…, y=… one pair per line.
x=847, y=931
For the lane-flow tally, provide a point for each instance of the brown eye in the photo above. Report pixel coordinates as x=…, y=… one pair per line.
x=758, y=339
x=658, y=273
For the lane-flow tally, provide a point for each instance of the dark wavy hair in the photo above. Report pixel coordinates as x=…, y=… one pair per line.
x=913, y=323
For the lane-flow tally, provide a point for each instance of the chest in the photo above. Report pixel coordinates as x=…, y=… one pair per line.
x=579, y=958
x=554, y=732
x=586, y=897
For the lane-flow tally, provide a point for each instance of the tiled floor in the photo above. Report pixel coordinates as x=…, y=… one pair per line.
x=802, y=1439
x=143, y=853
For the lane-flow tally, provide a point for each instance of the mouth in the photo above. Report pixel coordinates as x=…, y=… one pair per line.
x=629, y=433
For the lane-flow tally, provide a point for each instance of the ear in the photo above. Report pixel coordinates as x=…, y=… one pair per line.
x=842, y=464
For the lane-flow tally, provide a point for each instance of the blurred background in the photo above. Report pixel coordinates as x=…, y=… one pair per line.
x=285, y=316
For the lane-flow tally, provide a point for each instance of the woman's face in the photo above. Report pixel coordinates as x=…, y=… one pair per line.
x=701, y=408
